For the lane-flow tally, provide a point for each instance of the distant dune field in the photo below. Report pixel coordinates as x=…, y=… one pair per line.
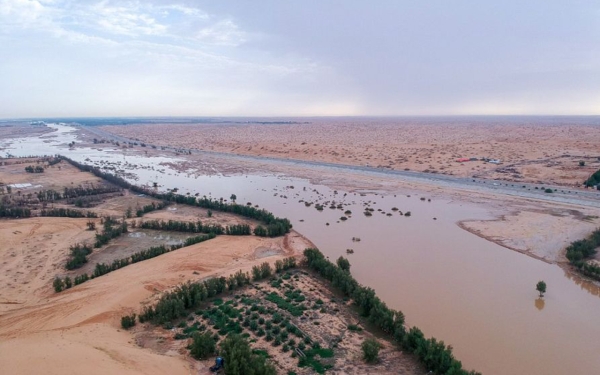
x=529, y=151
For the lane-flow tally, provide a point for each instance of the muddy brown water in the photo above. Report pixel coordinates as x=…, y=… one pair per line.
x=455, y=286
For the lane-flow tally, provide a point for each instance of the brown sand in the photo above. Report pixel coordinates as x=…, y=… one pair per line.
x=77, y=331
x=530, y=151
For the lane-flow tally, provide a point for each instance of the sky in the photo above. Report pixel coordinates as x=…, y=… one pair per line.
x=64, y=58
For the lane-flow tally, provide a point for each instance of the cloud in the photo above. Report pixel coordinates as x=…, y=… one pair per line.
x=127, y=19
x=400, y=57
x=22, y=14
x=225, y=33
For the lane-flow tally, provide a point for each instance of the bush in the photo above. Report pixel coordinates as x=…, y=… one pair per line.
x=58, y=284
x=370, y=349
x=343, y=263
x=128, y=321
x=239, y=359
x=203, y=345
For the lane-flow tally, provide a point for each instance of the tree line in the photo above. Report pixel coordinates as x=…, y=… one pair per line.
x=75, y=192
x=67, y=212
x=195, y=227
x=103, y=268
x=36, y=169
x=15, y=212
x=182, y=226
x=435, y=355
x=275, y=226
x=150, y=207
x=579, y=251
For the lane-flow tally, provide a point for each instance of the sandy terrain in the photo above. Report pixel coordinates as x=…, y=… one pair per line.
x=56, y=177
x=71, y=332
x=18, y=129
x=78, y=331
x=118, y=206
x=541, y=234
x=542, y=152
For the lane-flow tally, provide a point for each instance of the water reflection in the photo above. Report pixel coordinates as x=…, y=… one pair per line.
x=540, y=304
x=584, y=284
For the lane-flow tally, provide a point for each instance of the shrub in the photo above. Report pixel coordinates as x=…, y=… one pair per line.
x=240, y=360
x=203, y=345
x=370, y=349
x=128, y=321
x=58, y=284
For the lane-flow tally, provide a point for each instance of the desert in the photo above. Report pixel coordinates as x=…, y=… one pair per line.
x=529, y=149
x=362, y=215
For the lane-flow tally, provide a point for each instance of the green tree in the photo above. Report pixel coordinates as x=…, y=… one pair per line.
x=128, y=321
x=541, y=287
x=58, y=284
x=203, y=345
x=68, y=282
x=265, y=270
x=233, y=198
x=239, y=359
x=370, y=349
x=343, y=263
x=278, y=266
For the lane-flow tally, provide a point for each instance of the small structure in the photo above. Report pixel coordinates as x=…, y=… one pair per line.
x=219, y=364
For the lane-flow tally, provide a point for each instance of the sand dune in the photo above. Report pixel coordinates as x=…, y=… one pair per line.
x=78, y=331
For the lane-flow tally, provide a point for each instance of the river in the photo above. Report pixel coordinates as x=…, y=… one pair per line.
x=455, y=286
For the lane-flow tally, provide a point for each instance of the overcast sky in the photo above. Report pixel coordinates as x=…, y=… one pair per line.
x=273, y=58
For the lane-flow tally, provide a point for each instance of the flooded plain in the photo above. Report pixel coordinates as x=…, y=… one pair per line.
x=455, y=286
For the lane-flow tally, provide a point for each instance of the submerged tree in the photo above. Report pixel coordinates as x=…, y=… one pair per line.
x=541, y=287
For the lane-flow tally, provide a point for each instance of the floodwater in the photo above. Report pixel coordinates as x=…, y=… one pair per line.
x=455, y=286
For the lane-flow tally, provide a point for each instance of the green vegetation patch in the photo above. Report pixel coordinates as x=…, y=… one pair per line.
x=312, y=359
x=284, y=305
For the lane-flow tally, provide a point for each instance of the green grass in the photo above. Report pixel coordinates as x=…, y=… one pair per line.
x=355, y=328
x=282, y=304
x=311, y=361
x=261, y=352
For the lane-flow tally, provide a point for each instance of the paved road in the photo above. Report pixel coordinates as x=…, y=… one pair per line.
x=583, y=197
